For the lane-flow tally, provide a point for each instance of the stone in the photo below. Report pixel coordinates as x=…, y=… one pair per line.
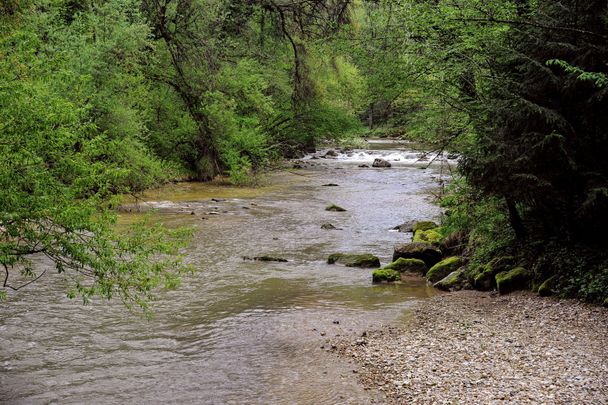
x=330, y=185
x=408, y=266
x=484, y=276
x=266, y=258
x=443, y=268
x=512, y=280
x=331, y=153
x=381, y=163
x=334, y=208
x=387, y=275
x=429, y=254
x=547, y=287
x=455, y=281
x=365, y=260
x=423, y=226
x=432, y=236
x=328, y=226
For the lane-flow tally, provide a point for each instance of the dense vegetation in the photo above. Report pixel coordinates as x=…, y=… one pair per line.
x=102, y=98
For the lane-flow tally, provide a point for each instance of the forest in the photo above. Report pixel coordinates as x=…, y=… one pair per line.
x=101, y=99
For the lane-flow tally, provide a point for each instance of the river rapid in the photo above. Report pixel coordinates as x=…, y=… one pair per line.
x=237, y=331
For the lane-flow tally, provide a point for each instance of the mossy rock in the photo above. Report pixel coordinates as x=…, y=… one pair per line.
x=429, y=254
x=432, y=236
x=456, y=280
x=547, y=287
x=512, y=280
x=354, y=260
x=334, y=208
x=443, y=269
x=423, y=226
x=485, y=280
x=388, y=275
x=408, y=266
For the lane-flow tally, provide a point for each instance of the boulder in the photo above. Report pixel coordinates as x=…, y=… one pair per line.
x=402, y=265
x=365, y=260
x=381, y=163
x=455, y=281
x=443, y=269
x=432, y=236
x=484, y=276
x=404, y=227
x=547, y=288
x=512, y=280
x=423, y=226
x=387, y=275
x=331, y=153
x=334, y=208
x=429, y=254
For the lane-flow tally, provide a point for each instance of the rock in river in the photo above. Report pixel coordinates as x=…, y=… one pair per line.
x=381, y=163
x=365, y=260
x=334, y=208
x=402, y=265
x=385, y=275
x=429, y=254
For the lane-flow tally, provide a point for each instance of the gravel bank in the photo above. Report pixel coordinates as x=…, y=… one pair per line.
x=478, y=348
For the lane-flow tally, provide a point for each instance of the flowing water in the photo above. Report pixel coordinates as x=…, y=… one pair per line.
x=237, y=331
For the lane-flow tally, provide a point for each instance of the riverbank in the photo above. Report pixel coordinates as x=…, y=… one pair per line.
x=478, y=348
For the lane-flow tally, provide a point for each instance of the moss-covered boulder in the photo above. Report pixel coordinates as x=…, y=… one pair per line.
x=334, y=208
x=365, y=260
x=423, y=226
x=388, y=275
x=515, y=279
x=443, y=268
x=547, y=288
x=484, y=277
x=432, y=236
x=429, y=254
x=455, y=281
x=408, y=266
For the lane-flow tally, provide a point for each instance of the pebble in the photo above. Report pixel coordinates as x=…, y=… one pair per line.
x=477, y=348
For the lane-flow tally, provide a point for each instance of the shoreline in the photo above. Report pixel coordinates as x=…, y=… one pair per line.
x=478, y=348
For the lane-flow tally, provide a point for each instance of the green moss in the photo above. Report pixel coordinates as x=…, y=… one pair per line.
x=456, y=280
x=354, y=260
x=408, y=265
x=546, y=288
x=515, y=279
x=423, y=251
x=423, y=226
x=334, y=208
x=443, y=268
x=432, y=236
x=484, y=279
x=385, y=275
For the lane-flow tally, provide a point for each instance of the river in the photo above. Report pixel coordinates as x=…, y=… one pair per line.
x=237, y=331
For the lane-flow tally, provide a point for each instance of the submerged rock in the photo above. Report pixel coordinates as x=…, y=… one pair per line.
x=455, y=281
x=363, y=166
x=381, y=163
x=402, y=265
x=334, y=208
x=266, y=258
x=387, y=275
x=328, y=226
x=365, y=260
x=429, y=254
x=512, y=280
x=330, y=185
x=443, y=268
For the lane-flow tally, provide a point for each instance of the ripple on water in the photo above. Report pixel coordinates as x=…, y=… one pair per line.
x=236, y=331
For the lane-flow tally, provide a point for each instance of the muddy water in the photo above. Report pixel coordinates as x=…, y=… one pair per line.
x=237, y=331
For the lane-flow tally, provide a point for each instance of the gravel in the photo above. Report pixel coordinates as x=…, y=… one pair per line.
x=479, y=348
